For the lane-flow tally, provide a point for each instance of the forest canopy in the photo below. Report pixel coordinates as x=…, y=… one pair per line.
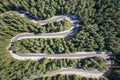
x=99, y=28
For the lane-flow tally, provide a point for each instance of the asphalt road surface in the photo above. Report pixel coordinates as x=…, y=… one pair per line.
x=63, y=34
x=84, y=73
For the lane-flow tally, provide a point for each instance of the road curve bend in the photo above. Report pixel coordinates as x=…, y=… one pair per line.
x=63, y=34
x=84, y=73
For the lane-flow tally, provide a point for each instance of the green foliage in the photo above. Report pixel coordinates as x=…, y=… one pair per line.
x=99, y=30
x=115, y=75
x=11, y=22
x=68, y=77
x=20, y=70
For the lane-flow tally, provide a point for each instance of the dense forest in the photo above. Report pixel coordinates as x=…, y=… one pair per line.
x=99, y=28
x=68, y=77
x=22, y=70
x=22, y=24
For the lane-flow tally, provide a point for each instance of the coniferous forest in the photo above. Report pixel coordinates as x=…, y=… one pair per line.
x=99, y=30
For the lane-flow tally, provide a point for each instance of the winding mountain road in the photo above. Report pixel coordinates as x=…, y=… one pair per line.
x=63, y=34
x=84, y=73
